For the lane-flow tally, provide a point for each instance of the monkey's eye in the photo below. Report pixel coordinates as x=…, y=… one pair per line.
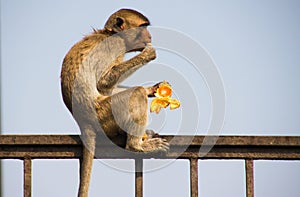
x=119, y=22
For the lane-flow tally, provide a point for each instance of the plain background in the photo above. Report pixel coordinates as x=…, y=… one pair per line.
x=256, y=45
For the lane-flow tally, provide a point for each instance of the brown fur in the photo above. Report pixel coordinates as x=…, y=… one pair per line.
x=121, y=116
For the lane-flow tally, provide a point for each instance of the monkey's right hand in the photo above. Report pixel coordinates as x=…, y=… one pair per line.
x=148, y=53
x=151, y=90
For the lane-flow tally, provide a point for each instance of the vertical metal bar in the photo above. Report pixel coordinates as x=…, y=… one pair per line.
x=194, y=177
x=27, y=177
x=138, y=177
x=249, y=178
x=0, y=114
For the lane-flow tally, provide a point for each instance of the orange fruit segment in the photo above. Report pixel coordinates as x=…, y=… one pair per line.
x=165, y=91
x=158, y=103
x=163, y=94
x=174, y=104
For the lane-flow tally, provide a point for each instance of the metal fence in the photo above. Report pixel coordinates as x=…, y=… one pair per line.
x=248, y=148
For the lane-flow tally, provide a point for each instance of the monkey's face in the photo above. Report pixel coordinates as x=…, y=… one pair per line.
x=136, y=39
x=132, y=27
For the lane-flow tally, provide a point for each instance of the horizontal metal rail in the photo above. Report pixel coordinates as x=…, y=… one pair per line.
x=248, y=148
x=181, y=147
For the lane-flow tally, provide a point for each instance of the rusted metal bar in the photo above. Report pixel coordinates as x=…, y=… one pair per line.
x=250, y=148
x=138, y=177
x=175, y=139
x=194, y=177
x=27, y=177
x=249, y=177
x=182, y=147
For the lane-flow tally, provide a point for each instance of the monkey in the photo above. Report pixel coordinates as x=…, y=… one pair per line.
x=91, y=73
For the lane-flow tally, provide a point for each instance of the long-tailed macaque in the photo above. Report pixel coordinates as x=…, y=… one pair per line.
x=90, y=75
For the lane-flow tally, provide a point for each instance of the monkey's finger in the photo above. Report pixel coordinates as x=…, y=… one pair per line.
x=165, y=148
x=165, y=145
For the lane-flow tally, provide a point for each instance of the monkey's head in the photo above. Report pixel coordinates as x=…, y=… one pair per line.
x=132, y=27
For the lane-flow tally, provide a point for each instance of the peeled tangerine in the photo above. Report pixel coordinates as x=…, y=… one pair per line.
x=163, y=94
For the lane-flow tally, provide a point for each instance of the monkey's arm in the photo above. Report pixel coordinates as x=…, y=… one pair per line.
x=119, y=71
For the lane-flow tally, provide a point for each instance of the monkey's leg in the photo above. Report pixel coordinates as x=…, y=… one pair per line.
x=86, y=162
x=132, y=117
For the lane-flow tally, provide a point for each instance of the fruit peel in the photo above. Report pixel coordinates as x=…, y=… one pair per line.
x=163, y=98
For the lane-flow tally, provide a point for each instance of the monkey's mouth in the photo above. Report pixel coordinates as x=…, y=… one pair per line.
x=139, y=47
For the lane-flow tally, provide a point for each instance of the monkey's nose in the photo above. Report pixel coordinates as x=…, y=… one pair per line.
x=146, y=36
x=148, y=39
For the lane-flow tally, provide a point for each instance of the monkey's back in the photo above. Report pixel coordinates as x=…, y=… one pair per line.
x=73, y=61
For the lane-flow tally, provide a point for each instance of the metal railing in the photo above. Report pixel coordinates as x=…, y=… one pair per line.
x=248, y=148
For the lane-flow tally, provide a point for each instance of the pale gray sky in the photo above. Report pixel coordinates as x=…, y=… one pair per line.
x=255, y=44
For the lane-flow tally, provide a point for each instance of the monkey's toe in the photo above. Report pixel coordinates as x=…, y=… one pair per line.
x=155, y=145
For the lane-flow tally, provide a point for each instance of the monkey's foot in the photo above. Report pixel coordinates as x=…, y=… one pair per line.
x=155, y=145
x=149, y=144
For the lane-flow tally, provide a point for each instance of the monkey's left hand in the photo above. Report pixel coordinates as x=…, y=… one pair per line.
x=152, y=89
x=148, y=53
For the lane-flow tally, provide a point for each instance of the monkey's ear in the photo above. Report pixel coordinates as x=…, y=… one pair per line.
x=119, y=25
